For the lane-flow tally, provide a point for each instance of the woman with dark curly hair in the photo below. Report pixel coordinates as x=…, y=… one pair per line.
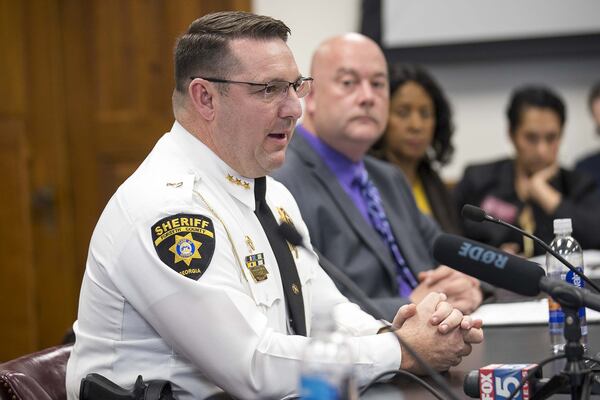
x=418, y=140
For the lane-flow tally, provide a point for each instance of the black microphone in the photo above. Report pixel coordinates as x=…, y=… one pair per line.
x=474, y=213
x=477, y=214
x=292, y=236
x=488, y=264
x=507, y=271
x=495, y=380
x=474, y=387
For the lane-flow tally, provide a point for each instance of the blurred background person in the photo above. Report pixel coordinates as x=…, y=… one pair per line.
x=418, y=139
x=531, y=190
x=591, y=164
x=360, y=211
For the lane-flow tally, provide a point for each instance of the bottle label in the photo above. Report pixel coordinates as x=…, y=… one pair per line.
x=317, y=387
x=576, y=280
x=556, y=317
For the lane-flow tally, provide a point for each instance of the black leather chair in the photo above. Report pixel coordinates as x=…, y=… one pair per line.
x=36, y=376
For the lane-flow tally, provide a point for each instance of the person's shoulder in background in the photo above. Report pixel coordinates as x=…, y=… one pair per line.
x=484, y=174
x=590, y=165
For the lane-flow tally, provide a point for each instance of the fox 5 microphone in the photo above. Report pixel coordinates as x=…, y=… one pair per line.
x=498, y=381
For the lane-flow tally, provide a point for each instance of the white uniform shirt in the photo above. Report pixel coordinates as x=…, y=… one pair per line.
x=138, y=315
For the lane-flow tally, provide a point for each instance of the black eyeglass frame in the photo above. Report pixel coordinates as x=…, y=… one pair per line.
x=296, y=84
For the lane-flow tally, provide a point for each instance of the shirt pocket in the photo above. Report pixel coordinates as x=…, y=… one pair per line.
x=266, y=292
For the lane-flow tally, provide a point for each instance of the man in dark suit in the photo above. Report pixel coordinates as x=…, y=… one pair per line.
x=360, y=211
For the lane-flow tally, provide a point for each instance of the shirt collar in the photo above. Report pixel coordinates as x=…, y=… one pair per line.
x=343, y=168
x=206, y=163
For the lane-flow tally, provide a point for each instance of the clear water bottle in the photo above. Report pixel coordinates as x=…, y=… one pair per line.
x=565, y=245
x=327, y=365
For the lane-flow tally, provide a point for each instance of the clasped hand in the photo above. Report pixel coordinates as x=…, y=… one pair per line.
x=536, y=188
x=436, y=331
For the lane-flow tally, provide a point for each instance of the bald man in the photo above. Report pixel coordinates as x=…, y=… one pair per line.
x=360, y=211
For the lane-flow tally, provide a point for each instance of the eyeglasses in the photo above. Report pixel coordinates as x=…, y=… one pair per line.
x=274, y=90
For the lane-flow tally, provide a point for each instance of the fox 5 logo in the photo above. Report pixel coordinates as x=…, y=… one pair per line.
x=498, y=381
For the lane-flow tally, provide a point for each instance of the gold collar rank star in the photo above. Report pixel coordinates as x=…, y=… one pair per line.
x=238, y=181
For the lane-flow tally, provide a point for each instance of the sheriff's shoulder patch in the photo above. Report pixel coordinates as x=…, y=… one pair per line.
x=185, y=242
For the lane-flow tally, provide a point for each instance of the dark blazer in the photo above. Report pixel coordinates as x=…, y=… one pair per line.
x=590, y=165
x=580, y=202
x=340, y=232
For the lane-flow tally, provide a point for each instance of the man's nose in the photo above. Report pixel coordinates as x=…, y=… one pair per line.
x=290, y=106
x=366, y=94
x=542, y=148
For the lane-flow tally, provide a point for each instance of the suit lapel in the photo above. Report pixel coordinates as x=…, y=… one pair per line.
x=353, y=217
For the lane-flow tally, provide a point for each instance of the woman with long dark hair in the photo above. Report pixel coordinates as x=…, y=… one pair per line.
x=418, y=140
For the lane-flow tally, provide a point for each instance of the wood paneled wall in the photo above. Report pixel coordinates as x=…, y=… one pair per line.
x=86, y=91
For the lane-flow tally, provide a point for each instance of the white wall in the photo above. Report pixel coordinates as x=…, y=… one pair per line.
x=478, y=91
x=311, y=22
x=411, y=22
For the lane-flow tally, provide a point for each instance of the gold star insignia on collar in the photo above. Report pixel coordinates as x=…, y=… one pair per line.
x=238, y=181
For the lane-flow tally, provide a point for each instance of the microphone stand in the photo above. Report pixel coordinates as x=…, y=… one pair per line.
x=545, y=247
x=477, y=214
x=576, y=376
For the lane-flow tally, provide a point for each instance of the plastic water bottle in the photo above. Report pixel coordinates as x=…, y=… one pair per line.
x=327, y=365
x=565, y=245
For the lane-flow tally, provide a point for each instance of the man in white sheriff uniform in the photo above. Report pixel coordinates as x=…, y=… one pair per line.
x=181, y=281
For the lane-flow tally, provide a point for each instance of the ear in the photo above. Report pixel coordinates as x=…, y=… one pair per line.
x=309, y=103
x=201, y=94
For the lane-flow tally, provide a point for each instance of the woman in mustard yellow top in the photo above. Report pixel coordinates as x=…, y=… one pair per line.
x=418, y=140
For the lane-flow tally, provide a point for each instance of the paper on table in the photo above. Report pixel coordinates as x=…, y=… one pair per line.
x=521, y=313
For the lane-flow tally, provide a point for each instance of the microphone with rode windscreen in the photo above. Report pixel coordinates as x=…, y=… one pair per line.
x=508, y=271
x=488, y=264
x=477, y=214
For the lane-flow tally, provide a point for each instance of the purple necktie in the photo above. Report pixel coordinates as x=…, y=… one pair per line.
x=404, y=276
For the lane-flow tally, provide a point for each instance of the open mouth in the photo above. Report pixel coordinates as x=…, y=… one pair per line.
x=277, y=135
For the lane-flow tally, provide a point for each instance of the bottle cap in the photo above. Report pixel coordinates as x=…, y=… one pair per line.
x=562, y=226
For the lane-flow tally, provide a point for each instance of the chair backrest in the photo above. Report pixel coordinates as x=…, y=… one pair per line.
x=36, y=376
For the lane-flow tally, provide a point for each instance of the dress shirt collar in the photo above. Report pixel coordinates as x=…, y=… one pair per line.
x=205, y=162
x=343, y=168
